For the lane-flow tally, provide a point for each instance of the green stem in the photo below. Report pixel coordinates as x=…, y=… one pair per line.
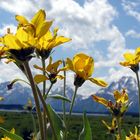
x=47, y=112
x=73, y=100
x=44, y=82
x=138, y=84
x=44, y=90
x=45, y=96
x=34, y=124
x=64, y=107
x=33, y=86
x=119, y=128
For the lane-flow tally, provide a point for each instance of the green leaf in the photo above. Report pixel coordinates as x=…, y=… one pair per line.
x=59, y=97
x=10, y=135
x=86, y=133
x=57, y=124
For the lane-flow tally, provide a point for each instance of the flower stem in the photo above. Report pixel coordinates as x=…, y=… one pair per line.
x=44, y=90
x=45, y=96
x=33, y=87
x=119, y=128
x=44, y=82
x=73, y=100
x=64, y=107
x=138, y=84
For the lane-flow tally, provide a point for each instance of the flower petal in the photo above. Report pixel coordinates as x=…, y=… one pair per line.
x=12, y=42
x=22, y=20
x=98, y=82
x=100, y=100
x=40, y=78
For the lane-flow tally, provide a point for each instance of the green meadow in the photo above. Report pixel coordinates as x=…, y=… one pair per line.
x=23, y=123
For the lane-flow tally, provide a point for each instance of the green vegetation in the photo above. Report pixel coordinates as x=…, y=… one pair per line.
x=23, y=124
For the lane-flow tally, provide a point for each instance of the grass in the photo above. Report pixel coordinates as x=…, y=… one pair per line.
x=23, y=124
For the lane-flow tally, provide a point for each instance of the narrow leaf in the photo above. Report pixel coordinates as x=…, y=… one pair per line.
x=86, y=133
x=57, y=124
x=10, y=135
x=59, y=97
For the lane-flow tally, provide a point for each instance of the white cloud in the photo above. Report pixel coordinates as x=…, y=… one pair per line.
x=86, y=25
x=133, y=34
x=132, y=8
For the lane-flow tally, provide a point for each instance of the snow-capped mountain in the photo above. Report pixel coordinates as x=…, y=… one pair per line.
x=20, y=95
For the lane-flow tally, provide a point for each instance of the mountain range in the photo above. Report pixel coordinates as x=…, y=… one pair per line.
x=19, y=95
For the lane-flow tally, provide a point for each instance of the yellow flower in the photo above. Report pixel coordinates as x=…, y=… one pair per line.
x=134, y=136
x=51, y=71
x=132, y=60
x=83, y=66
x=48, y=42
x=112, y=129
x=20, y=46
x=38, y=24
x=119, y=107
x=7, y=138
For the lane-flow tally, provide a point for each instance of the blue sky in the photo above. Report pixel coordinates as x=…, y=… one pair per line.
x=104, y=29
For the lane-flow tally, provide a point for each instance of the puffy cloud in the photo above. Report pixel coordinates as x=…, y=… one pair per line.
x=86, y=24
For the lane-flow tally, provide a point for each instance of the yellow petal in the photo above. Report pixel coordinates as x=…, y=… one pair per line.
x=40, y=78
x=60, y=77
x=129, y=56
x=12, y=42
x=38, y=18
x=25, y=38
x=60, y=40
x=98, y=82
x=22, y=20
x=100, y=100
x=39, y=68
x=43, y=28
x=52, y=68
x=69, y=64
x=117, y=95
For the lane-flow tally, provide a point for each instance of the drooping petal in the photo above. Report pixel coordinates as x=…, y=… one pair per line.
x=40, y=78
x=98, y=82
x=100, y=100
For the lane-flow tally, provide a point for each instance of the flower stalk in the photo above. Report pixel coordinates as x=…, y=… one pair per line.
x=119, y=127
x=33, y=87
x=138, y=84
x=44, y=90
x=73, y=100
